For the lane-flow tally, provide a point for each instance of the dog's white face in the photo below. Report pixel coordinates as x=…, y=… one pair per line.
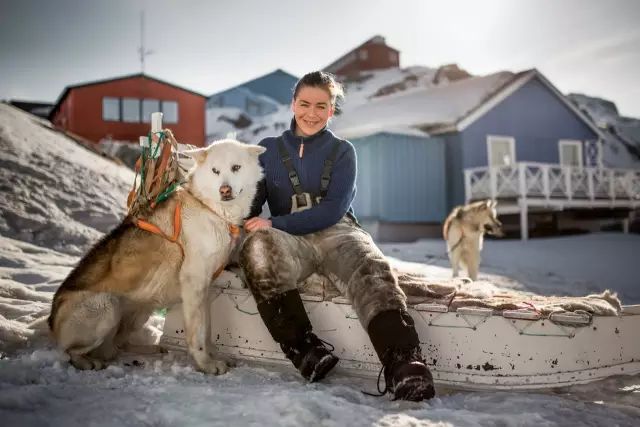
x=227, y=170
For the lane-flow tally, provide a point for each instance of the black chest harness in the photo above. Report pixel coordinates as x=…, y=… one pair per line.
x=302, y=200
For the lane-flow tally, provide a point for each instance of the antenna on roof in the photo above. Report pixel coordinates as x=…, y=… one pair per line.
x=141, y=50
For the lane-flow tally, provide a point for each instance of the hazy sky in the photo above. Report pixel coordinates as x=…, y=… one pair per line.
x=587, y=46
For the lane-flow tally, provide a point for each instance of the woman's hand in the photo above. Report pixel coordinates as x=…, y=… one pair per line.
x=256, y=223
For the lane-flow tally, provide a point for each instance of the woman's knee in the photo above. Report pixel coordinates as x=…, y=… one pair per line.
x=257, y=243
x=264, y=259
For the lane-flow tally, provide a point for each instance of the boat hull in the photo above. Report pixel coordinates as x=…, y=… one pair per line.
x=469, y=348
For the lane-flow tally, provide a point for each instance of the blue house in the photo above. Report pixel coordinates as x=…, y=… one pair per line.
x=258, y=97
x=512, y=137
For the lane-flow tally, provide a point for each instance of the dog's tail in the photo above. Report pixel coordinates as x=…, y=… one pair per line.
x=447, y=222
x=40, y=326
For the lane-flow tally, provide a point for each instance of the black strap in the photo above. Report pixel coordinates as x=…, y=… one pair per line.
x=326, y=171
x=293, y=175
x=288, y=163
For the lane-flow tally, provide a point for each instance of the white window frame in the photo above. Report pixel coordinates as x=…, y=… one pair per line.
x=571, y=142
x=494, y=138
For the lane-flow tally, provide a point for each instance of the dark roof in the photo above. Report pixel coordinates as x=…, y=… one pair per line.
x=37, y=108
x=66, y=90
x=384, y=41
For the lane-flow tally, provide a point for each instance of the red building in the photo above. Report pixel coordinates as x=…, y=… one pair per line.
x=120, y=108
x=374, y=54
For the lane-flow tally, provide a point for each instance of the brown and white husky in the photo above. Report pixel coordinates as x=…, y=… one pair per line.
x=464, y=231
x=130, y=272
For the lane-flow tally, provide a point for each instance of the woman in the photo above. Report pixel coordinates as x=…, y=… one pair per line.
x=309, y=184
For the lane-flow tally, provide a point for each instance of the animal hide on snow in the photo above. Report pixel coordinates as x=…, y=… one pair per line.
x=452, y=293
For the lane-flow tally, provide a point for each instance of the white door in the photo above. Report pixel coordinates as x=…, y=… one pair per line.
x=571, y=153
x=501, y=150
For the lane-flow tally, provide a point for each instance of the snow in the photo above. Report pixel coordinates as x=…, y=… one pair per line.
x=38, y=248
x=616, y=152
x=430, y=106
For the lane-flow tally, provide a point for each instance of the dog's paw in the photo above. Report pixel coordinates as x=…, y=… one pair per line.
x=85, y=363
x=215, y=367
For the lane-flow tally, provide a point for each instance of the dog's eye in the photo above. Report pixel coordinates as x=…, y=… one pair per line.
x=235, y=168
x=216, y=171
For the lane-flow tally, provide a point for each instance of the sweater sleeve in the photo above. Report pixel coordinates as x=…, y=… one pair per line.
x=261, y=191
x=333, y=206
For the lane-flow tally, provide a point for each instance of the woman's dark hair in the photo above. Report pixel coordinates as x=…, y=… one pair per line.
x=322, y=80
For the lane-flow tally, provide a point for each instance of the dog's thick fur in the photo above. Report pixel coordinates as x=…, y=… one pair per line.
x=464, y=231
x=130, y=272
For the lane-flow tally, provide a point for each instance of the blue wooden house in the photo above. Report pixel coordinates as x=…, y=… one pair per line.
x=512, y=137
x=258, y=97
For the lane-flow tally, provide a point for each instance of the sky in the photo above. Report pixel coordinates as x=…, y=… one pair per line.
x=584, y=46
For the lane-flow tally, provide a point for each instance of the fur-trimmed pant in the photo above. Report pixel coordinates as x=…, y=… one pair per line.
x=274, y=262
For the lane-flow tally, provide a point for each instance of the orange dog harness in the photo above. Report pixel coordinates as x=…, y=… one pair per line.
x=234, y=231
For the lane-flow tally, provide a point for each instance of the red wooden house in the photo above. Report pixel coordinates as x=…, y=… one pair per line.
x=374, y=54
x=120, y=108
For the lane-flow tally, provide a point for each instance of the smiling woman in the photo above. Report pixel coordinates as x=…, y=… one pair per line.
x=313, y=229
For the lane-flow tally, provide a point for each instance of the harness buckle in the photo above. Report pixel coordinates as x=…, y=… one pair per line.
x=301, y=202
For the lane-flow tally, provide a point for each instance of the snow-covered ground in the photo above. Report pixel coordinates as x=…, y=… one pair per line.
x=57, y=198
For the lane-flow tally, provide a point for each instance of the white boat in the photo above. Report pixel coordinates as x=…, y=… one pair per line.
x=469, y=348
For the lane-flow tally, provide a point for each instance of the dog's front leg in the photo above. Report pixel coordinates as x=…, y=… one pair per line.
x=195, y=305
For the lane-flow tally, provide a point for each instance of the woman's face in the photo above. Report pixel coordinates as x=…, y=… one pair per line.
x=312, y=109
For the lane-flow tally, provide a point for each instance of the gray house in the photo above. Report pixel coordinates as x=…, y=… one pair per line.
x=507, y=136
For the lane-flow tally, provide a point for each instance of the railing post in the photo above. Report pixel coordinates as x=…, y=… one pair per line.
x=612, y=185
x=591, y=190
x=545, y=182
x=522, y=180
x=628, y=184
x=467, y=186
x=567, y=181
x=493, y=184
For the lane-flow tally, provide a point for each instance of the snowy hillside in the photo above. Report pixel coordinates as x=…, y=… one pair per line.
x=56, y=198
x=53, y=192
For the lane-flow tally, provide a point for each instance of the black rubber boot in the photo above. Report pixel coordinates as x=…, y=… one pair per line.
x=289, y=325
x=394, y=337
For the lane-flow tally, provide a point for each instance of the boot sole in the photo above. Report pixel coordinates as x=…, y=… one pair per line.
x=323, y=367
x=414, y=389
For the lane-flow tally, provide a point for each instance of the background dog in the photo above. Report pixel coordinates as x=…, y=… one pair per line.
x=464, y=230
x=130, y=272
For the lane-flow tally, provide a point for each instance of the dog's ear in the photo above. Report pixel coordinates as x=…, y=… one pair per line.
x=256, y=150
x=490, y=204
x=199, y=154
x=494, y=204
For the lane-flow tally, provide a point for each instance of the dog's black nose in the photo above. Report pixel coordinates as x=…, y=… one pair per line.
x=225, y=192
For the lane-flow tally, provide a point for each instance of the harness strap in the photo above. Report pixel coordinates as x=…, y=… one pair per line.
x=177, y=227
x=326, y=170
x=234, y=232
x=288, y=163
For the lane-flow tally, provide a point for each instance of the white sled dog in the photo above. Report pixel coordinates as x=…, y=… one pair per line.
x=130, y=272
x=464, y=231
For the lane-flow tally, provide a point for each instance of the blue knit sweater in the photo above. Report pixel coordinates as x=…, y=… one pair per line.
x=276, y=188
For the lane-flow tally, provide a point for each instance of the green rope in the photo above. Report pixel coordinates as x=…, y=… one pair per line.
x=167, y=192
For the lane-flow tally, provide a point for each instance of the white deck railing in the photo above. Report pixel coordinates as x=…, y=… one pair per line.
x=553, y=182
